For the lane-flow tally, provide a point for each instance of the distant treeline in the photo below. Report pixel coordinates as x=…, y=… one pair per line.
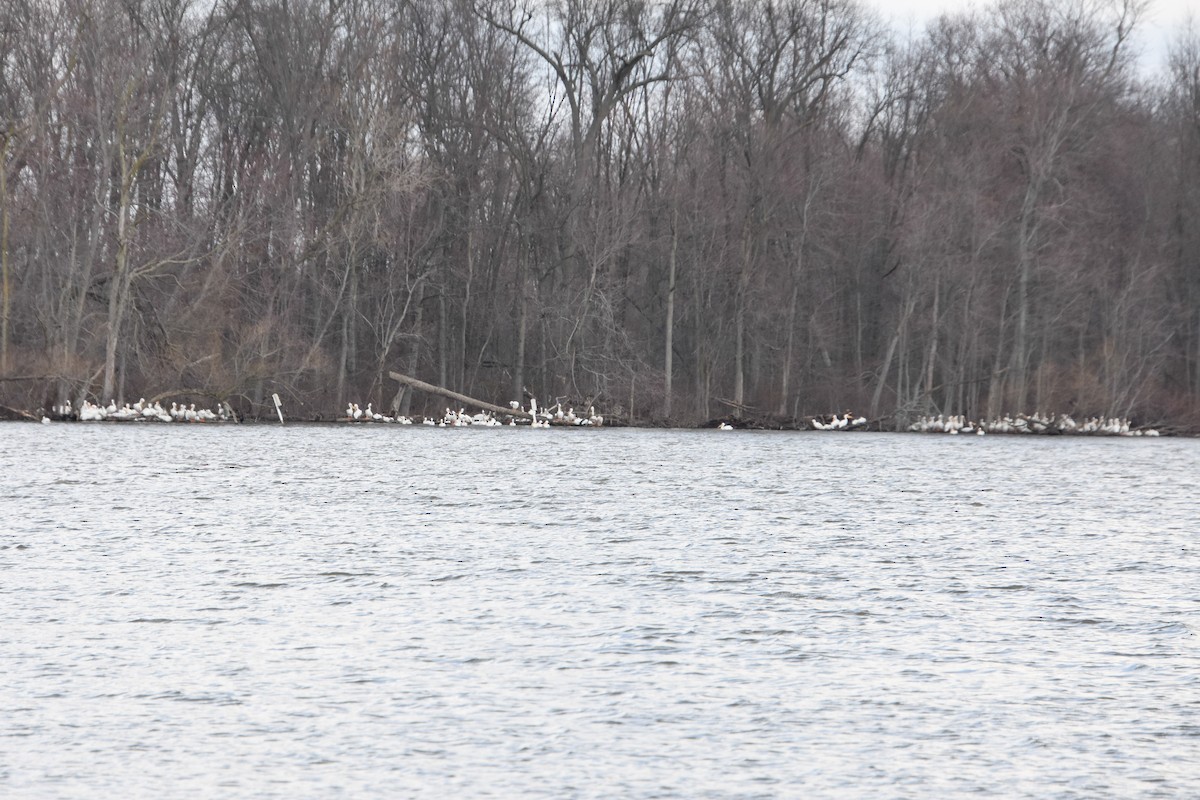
x=675, y=209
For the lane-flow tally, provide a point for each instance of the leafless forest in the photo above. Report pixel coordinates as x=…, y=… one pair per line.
x=675, y=209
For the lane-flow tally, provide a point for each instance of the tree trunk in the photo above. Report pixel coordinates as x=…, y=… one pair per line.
x=739, y=323
x=883, y=373
x=518, y=373
x=461, y=356
x=786, y=371
x=5, y=292
x=117, y=297
x=669, y=334
x=933, y=343
x=1020, y=355
x=343, y=359
x=352, y=311
x=414, y=355
x=442, y=336
x=996, y=383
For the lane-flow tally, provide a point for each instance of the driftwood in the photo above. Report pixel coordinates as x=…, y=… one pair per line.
x=17, y=378
x=184, y=392
x=16, y=413
x=461, y=398
x=741, y=407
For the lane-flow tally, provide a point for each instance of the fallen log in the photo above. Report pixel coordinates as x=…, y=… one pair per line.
x=16, y=414
x=31, y=378
x=461, y=398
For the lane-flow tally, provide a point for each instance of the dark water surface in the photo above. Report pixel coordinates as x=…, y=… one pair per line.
x=296, y=612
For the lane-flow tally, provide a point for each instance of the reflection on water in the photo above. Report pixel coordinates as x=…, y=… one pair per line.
x=261, y=612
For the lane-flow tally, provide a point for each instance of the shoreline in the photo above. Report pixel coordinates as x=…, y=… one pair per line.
x=1159, y=432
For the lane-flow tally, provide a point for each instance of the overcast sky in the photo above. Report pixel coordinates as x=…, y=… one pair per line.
x=1162, y=20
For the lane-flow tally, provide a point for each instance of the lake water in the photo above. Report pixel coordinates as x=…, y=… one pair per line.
x=376, y=611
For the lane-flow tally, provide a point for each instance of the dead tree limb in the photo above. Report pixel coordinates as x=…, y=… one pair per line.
x=16, y=413
x=461, y=398
x=185, y=392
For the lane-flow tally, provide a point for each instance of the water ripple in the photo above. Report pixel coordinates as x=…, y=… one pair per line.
x=300, y=612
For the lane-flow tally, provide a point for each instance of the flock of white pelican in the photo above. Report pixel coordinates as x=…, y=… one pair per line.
x=534, y=417
x=1030, y=423
x=141, y=411
x=845, y=422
